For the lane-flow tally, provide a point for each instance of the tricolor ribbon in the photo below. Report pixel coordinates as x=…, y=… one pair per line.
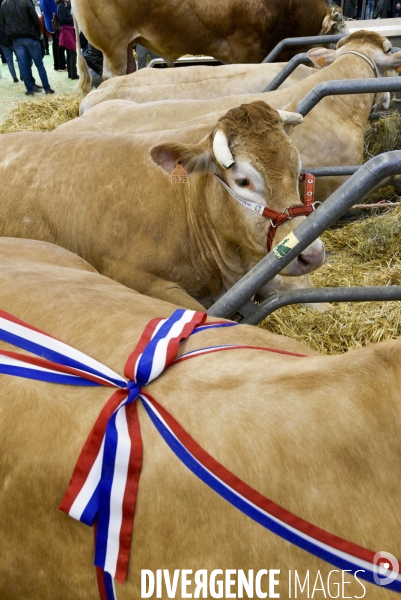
x=105, y=480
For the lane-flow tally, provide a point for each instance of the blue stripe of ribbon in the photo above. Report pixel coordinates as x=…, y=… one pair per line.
x=52, y=355
x=241, y=504
x=60, y=378
x=109, y=586
x=213, y=326
x=106, y=482
x=145, y=364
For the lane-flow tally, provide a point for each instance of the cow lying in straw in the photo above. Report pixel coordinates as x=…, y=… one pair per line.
x=318, y=435
x=332, y=134
x=118, y=209
x=197, y=82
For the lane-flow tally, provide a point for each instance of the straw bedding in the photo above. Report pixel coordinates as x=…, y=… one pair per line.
x=42, y=114
x=365, y=252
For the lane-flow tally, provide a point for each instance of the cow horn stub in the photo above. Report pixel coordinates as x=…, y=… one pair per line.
x=292, y=118
x=221, y=150
x=387, y=46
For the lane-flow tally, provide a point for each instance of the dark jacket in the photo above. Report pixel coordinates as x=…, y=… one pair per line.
x=4, y=41
x=64, y=15
x=349, y=9
x=19, y=19
x=94, y=58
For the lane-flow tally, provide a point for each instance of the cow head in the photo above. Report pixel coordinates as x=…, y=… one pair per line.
x=372, y=44
x=333, y=22
x=249, y=148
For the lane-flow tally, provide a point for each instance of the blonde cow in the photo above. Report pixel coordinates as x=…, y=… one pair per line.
x=332, y=134
x=114, y=203
x=318, y=435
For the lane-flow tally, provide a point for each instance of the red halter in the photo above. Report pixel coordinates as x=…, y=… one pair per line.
x=278, y=218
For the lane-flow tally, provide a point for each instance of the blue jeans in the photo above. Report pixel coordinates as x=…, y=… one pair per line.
x=26, y=51
x=370, y=6
x=8, y=53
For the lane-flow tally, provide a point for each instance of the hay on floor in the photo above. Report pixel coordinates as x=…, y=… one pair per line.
x=43, y=113
x=364, y=253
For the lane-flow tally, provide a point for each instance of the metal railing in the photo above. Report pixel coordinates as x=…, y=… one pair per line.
x=347, y=86
x=363, y=182
x=301, y=41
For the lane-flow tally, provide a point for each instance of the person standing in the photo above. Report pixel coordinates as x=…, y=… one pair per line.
x=7, y=49
x=396, y=8
x=370, y=8
x=49, y=8
x=67, y=36
x=22, y=27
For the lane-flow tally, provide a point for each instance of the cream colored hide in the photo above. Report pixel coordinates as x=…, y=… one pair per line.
x=332, y=133
x=318, y=435
x=197, y=82
x=114, y=204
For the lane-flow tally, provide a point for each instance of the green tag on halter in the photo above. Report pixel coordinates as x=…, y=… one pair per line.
x=285, y=246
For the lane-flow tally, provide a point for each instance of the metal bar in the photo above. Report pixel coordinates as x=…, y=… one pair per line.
x=362, y=17
x=355, y=189
x=298, y=59
x=347, y=86
x=330, y=171
x=301, y=41
x=329, y=294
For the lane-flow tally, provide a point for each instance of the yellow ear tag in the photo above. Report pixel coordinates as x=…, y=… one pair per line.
x=399, y=70
x=179, y=174
x=320, y=61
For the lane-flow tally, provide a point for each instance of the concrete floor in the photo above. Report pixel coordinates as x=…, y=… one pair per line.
x=13, y=93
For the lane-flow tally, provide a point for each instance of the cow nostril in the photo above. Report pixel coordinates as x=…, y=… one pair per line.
x=308, y=262
x=305, y=261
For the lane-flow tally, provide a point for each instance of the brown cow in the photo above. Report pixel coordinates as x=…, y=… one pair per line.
x=318, y=435
x=117, y=208
x=233, y=31
x=332, y=134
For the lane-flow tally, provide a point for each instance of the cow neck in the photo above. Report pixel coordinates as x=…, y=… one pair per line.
x=366, y=59
x=206, y=250
x=355, y=107
x=217, y=235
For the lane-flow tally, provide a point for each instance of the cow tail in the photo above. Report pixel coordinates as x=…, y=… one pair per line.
x=85, y=79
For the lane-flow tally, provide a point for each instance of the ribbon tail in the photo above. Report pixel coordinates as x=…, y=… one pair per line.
x=87, y=459
x=131, y=490
x=118, y=490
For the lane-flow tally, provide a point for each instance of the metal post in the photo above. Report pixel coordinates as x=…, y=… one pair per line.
x=347, y=86
x=328, y=294
x=355, y=189
x=301, y=41
x=286, y=71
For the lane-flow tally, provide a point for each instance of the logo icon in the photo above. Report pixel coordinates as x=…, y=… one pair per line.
x=388, y=568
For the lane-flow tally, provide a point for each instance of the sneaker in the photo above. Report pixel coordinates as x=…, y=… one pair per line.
x=37, y=88
x=29, y=93
x=50, y=91
x=16, y=80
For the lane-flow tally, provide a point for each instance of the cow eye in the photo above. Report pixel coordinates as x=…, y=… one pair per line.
x=242, y=182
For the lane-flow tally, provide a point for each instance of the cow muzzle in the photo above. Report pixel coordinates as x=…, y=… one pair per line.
x=309, y=260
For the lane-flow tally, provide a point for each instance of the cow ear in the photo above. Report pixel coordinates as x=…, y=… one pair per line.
x=322, y=57
x=385, y=62
x=193, y=157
